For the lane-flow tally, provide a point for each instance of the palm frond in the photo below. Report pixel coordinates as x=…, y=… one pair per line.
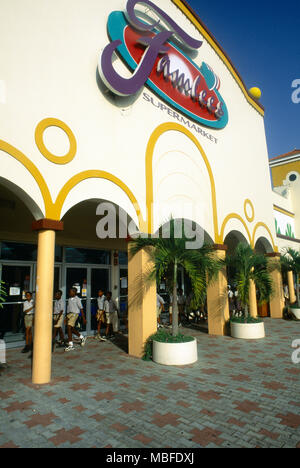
x=3, y=294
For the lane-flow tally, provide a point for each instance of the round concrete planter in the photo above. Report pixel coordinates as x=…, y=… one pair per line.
x=248, y=331
x=175, y=354
x=295, y=312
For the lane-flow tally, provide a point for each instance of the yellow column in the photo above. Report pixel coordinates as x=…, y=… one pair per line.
x=277, y=299
x=41, y=368
x=217, y=299
x=252, y=299
x=292, y=294
x=142, y=320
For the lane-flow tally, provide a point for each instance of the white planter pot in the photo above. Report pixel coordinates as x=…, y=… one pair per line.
x=295, y=312
x=175, y=354
x=248, y=331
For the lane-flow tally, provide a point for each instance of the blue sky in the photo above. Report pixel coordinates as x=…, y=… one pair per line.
x=262, y=38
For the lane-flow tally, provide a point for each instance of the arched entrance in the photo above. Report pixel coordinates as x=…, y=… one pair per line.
x=263, y=247
x=18, y=255
x=90, y=262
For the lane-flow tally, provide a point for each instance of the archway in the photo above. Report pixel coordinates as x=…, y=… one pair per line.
x=263, y=246
x=196, y=238
x=18, y=254
x=94, y=243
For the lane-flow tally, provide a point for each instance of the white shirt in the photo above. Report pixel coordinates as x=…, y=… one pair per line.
x=101, y=300
x=74, y=305
x=110, y=306
x=180, y=299
x=59, y=305
x=27, y=305
x=159, y=300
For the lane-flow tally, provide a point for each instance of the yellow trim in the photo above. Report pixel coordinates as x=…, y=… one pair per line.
x=158, y=132
x=263, y=225
x=217, y=49
x=249, y=203
x=53, y=210
x=93, y=174
x=16, y=154
x=39, y=132
x=281, y=210
x=226, y=221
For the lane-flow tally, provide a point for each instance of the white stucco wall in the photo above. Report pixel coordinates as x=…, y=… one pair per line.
x=48, y=67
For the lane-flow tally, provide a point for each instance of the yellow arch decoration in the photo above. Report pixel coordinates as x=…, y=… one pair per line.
x=226, y=221
x=220, y=53
x=53, y=210
x=158, y=132
x=93, y=174
x=263, y=225
x=19, y=156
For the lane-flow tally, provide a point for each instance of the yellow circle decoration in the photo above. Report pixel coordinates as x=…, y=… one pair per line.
x=39, y=132
x=248, y=204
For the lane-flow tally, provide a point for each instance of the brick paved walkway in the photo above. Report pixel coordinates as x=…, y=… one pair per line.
x=239, y=394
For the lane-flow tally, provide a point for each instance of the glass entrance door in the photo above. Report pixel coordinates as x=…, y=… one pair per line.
x=88, y=281
x=99, y=280
x=17, y=280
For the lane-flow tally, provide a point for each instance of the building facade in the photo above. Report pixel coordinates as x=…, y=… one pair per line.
x=285, y=171
x=129, y=103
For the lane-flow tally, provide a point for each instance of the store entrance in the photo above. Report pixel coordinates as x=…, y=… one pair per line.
x=87, y=281
x=17, y=279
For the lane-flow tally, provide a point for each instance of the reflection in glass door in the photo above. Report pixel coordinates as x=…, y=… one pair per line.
x=99, y=280
x=18, y=280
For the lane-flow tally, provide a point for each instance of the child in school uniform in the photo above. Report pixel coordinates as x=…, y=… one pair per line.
x=73, y=311
x=100, y=314
x=28, y=309
x=58, y=318
x=111, y=312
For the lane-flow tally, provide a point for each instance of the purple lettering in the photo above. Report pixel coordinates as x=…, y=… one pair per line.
x=174, y=27
x=125, y=86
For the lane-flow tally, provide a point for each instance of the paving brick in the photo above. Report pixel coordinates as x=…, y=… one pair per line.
x=238, y=396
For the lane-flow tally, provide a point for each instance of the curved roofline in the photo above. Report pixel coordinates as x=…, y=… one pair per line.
x=184, y=6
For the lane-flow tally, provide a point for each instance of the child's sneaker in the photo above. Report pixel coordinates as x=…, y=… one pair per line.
x=69, y=348
x=102, y=338
x=83, y=341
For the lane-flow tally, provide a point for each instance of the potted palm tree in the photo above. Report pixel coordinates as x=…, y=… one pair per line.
x=167, y=255
x=246, y=265
x=290, y=261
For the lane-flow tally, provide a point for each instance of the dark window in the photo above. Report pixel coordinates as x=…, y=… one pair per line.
x=97, y=257
x=293, y=177
x=123, y=258
x=24, y=252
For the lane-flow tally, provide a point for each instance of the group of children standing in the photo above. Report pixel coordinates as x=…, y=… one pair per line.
x=107, y=314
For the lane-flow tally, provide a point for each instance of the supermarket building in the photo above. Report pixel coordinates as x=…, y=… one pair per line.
x=100, y=103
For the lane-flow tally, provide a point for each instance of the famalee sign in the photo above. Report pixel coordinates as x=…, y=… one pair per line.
x=164, y=67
